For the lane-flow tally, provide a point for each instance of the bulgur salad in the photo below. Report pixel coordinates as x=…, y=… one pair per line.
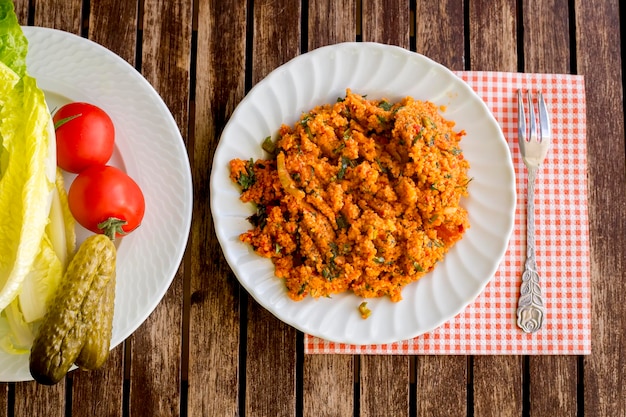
x=359, y=195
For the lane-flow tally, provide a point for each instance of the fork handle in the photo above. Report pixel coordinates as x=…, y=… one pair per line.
x=530, y=308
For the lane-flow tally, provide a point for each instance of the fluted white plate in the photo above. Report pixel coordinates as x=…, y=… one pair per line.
x=380, y=71
x=149, y=148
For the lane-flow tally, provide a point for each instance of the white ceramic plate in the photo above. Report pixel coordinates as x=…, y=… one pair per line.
x=149, y=148
x=380, y=71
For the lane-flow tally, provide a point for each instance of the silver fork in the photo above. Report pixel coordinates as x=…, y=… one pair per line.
x=534, y=147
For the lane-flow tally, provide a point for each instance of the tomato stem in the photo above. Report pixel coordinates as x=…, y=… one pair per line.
x=112, y=226
x=61, y=122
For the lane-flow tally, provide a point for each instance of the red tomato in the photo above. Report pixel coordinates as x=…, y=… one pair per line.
x=103, y=192
x=85, y=136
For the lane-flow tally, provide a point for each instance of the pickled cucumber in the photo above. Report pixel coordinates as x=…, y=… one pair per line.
x=65, y=327
x=100, y=326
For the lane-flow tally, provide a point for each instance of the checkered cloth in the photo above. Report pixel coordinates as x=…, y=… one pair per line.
x=488, y=325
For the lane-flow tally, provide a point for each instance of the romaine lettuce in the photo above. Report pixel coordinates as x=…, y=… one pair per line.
x=35, y=242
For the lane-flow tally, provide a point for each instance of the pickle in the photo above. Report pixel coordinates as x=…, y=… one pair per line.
x=65, y=326
x=100, y=326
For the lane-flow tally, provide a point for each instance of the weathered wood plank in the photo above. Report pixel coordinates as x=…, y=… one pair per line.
x=439, y=32
x=441, y=386
x=552, y=379
x=331, y=22
x=33, y=399
x=598, y=59
x=497, y=380
x=21, y=11
x=384, y=383
x=492, y=35
x=271, y=344
x=59, y=14
x=100, y=392
x=328, y=385
x=4, y=399
x=157, y=345
x=385, y=380
x=214, y=302
x=113, y=24
x=497, y=386
x=546, y=30
x=386, y=21
x=441, y=380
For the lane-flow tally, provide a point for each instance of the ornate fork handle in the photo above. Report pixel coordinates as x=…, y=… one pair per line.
x=530, y=308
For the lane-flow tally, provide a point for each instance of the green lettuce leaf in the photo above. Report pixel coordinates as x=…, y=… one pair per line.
x=27, y=160
x=13, y=43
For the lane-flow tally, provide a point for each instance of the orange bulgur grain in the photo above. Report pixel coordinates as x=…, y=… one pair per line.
x=360, y=195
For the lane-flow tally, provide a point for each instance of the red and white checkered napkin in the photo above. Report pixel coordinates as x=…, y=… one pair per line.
x=488, y=325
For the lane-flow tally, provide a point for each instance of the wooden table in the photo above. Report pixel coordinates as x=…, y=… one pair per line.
x=208, y=349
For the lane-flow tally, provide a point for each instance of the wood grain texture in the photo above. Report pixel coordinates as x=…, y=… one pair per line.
x=384, y=380
x=497, y=386
x=441, y=386
x=113, y=24
x=546, y=39
x=32, y=399
x=21, y=11
x=59, y=14
x=384, y=383
x=492, y=35
x=270, y=365
x=328, y=382
x=331, y=22
x=100, y=392
x=439, y=31
x=497, y=380
x=271, y=344
x=4, y=399
x=598, y=59
x=552, y=379
x=214, y=314
x=386, y=21
x=157, y=345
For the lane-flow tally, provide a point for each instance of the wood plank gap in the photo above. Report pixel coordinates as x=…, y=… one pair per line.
x=467, y=61
x=520, y=36
x=573, y=58
x=413, y=25
x=126, y=384
x=11, y=390
x=30, y=21
x=304, y=26
x=580, y=387
x=413, y=386
x=470, y=373
x=299, y=374
x=243, y=348
x=139, y=44
x=525, y=386
x=357, y=385
x=69, y=382
x=126, y=394
x=359, y=20
x=84, y=18
x=249, y=49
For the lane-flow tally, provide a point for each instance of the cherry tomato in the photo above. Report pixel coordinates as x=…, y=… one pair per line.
x=103, y=193
x=85, y=136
